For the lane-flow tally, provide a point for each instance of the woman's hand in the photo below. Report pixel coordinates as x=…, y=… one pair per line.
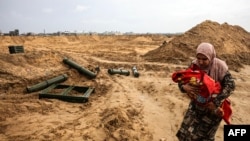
x=191, y=90
x=211, y=106
x=217, y=110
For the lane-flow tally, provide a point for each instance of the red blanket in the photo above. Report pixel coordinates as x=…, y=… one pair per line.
x=209, y=88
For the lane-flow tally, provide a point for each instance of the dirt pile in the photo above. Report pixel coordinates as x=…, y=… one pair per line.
x=232, y=43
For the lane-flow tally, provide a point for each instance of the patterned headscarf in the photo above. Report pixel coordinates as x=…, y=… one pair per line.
x=217, y=68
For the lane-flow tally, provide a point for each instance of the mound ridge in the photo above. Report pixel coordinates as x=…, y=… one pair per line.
x=231, y=42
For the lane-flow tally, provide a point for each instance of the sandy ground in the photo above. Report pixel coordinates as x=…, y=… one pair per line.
x=122, y=108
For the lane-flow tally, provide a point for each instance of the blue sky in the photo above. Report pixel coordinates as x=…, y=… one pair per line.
x=139, y=16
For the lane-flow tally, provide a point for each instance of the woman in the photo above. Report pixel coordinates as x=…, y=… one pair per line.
x=200, y=123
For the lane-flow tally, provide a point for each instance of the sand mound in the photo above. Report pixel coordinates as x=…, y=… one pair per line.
x=232, y=43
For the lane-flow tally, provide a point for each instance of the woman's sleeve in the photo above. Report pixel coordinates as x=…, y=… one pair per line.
x=228, y=87
x=181, y=88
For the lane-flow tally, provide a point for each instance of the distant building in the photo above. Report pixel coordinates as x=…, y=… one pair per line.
x=14, y=33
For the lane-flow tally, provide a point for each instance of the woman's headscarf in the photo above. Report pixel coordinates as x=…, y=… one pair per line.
x=217, y=68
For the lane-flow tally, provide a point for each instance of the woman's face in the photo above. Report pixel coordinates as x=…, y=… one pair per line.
x=203, y=61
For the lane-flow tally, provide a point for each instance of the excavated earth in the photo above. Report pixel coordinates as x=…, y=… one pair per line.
x=122, y=108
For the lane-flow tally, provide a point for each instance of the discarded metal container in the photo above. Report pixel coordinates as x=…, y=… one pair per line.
x=16, y=49
x=135, y=71
x=47, y=83
x=79, y=68
x=67, y=93
x=118, y=71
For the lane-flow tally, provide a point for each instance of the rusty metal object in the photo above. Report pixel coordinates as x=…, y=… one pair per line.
x=118, y=71
x=16, y=49
x=46, y=83
x=69, y=93
x=80, y=69
x=135, y=71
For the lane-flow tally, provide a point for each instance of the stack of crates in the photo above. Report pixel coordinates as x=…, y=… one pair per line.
x=16, y=49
